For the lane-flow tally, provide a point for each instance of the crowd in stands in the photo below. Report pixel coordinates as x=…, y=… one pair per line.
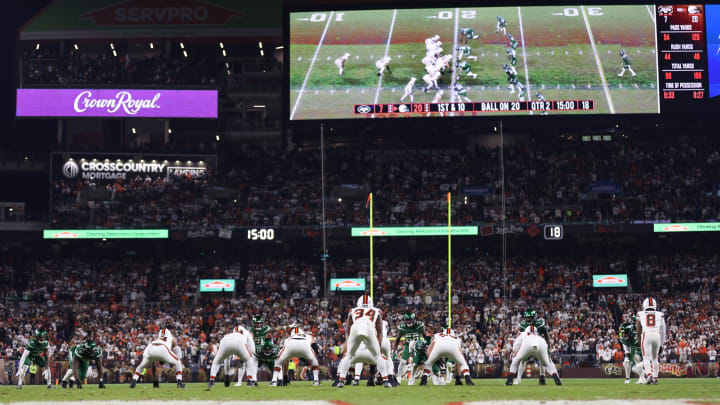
x=124, y=302
x=558, y=183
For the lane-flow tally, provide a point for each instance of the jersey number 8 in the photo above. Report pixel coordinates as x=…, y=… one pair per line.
x=650, y=319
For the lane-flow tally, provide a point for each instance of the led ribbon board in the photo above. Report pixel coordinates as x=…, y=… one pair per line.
x=105, y=234
x=416, y=231
x=687, y=227
x=347, y=284
x=217, y=285
x=610, y=280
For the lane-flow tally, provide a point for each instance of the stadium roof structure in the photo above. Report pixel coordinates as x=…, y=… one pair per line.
x=78, y=19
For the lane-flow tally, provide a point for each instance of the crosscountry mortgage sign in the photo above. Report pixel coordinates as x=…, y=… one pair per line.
x=217, y=285
x=347, y=284
x=610, y=280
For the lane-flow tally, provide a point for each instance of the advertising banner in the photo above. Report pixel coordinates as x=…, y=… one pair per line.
x=108, y=170
x=416, y=231
x=105, y=234
x=667, y=370
x=217, y=285
x=347, y=284
x=117, y=103
x=688, y=227
x=610, y=280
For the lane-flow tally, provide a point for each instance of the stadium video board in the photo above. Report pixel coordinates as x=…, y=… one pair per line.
x=610, y=280
x=347, y=284
x=217, y=285
x=496, y=61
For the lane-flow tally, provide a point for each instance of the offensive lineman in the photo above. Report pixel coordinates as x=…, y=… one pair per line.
x=631, y=348
x=340, y=63
x=165, y=349
x=626, y=63
x=34, y=349
x=447, y=345
x=383, y=64
x=409, y=90
x=79, y=357
x=529, y=344
x=239, y=343
x=650, y=325
x=363, y=325
x=431, y=80
x=299, y=344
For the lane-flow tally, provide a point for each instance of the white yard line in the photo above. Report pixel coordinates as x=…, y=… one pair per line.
x=387, y=48
x=527, y=76
x=597, y=61
x=312, y=62
x=657, y=73
x=453, y=73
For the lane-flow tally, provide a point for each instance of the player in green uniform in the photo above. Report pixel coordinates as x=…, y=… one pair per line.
x=631, y=347
x=512, y=56
x=540, y=97
x=260, y=332
x=530, y=319
x=413, y=330
x=465, y=51
x=464, y=67
x=266, y=355
x=79, y=357
x=33, y=353
x=521, y=89
x=468, y=34
x=626, y=63
x=513, y=41
x=461, y=92
x=501, y=25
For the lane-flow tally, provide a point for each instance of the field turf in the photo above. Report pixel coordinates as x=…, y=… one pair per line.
x=555, y=56
x=706, y=390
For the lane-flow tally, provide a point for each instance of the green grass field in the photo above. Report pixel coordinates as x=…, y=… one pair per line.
x=557, y=59
x=706, y=390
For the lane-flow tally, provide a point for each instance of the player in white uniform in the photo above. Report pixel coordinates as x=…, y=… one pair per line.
x=529, y=344
x=447, y=345
x=431, y=80
x=382, y=64
x=340, y=63
x=432, y=42
x=385, y=349
x=428, y=61
x=650, y=326
x=165, y=349
x=239, y=343
x=443, y=63
x=436, y=99
x=363, y=325
x=409, y=90
x=299, y=344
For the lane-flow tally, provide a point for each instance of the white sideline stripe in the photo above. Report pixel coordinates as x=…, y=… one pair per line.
x=527, y=76
x=597, y=61
x=589, y=402
x=181, y=402
x=652, y=15
x=657, y=73
x=312, y=62
x=387, y=48
x=454, y=60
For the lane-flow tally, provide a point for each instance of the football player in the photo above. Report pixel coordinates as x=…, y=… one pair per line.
x=530, y=318
x=513, y=42
x=442, y=63
x=431, y=80
x=340, y=63
x=631, y=348
x=461, y=92
x=540, y=97
x=530, y=344
x=512, y=56
x=465, y=51
x=650, y=326
x=431, y=43
x=79, y=357
x=239, y=343
x=464, y=67
x=410, y=327
x=447, y=345
x=35, y=348
x=409, y=90
x=500, y=26
x=363, y=325
x=626, y=64
x=164, y=349
x=299, y=344
x=383, y=64
x=467, y=34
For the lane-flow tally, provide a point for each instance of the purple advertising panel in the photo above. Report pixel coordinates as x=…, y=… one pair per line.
x=117, y=103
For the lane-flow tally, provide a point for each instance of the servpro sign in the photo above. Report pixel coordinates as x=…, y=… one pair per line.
x=347, y=284
x=610, y=280
x=217, y=285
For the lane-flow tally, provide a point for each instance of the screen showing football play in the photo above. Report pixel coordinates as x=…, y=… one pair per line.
x=482, y=61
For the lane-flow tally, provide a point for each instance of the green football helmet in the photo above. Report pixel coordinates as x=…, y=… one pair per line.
x=41, y=335
x=258, y=322
x=530, y=315
x=268, y=346
x=409, y=319
x=87, y=346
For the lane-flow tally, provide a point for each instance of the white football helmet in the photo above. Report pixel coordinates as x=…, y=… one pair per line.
x=365, y=301
x=449, y=331
x=165, y=333
x=347, y=55
x=436, y=37
x=296, y=331
x=238, y=329
x=649, y=303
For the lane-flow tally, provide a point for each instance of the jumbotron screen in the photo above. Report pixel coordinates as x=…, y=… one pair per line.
x=487, y=61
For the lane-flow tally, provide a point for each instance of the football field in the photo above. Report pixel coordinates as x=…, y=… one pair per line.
x=563, y=52
x=579, y=391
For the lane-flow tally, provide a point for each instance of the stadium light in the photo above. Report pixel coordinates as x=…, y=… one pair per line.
x=224, y=53
x=339, y=199
x=222, y=45
x=169, y=130
x=76, y=46
x=185, y=54
x=114, y=52
x=260, y=44
x=227, y=65
x=152, y=46
x=259, y=106
x=112, y=46
x=217, y=138
x=37, y=46
x=262, y=53
x=133, y=131
x=280, y=47
x=182, y=46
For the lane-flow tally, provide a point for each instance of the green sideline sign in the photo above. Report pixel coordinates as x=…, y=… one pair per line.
x=688, y=227
x=347, y=284
x=217, y=285
x=610, y=280
x=105, y=234
x=416, y=231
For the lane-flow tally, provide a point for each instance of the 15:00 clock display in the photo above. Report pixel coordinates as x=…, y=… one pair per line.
x=261, y=234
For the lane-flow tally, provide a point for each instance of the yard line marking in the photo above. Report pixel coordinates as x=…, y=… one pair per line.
x=566, y=52
x=399, y=56
x=454, y=60
x=620, y=85
x=328, y=58
x=362, y=91
x=495, y=53
x=538, y=53
x=573, y=86
x=387, y=48
x=347, y=91
x=635, y=84
x=482, y=54
x=312, y=62
x=543, y=87
x=527, y=75
x=597, y=61
x=552, y=52
x=357, y=56
x=299, y=58
x=652, y=15
x=657, y=74
x=316, y=91
x=580, y=51
x=413, y=56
